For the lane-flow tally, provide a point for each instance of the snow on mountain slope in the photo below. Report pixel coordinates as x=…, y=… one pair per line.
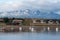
x=30, y=13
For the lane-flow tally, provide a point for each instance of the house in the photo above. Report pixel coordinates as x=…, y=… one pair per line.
x=50, y=22
x=44, y=22
x=38, y=20
x=17, y=22
x=32, y=21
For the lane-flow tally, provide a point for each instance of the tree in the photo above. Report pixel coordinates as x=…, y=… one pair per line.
x=6, y=20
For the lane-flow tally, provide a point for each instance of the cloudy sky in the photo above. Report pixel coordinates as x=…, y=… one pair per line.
x=7, y=5
x=43, y=4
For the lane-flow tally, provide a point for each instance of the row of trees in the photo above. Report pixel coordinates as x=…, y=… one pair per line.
x=6, y=20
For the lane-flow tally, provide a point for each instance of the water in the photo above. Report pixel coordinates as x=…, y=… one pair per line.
x=30, y=36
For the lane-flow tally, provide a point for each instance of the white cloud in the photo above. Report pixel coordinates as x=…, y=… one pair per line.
x=4, y=14
x=40, y=4
x=58, y=12
x=10, y=5
x=43, y=4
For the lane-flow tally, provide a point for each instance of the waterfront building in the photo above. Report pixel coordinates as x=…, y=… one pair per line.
x=18, y=22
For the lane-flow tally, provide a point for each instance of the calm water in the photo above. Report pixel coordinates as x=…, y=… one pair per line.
x=30, y=36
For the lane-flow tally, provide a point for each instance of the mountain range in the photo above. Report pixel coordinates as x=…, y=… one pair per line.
x=30, y=13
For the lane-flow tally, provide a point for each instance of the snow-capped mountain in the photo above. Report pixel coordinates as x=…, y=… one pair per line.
x=30, y=13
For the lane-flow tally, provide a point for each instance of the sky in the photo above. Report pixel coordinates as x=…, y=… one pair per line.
x=8, y=5
x=43, y=4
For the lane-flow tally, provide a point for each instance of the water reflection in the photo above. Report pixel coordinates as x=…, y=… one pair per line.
x=34, y=33
x=57, y=29
x=30, y=36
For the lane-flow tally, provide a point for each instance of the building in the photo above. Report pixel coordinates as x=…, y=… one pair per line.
x=45, y=22
x=17, y=22
x=33, y=21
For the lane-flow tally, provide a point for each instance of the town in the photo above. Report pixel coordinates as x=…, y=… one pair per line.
x=28, y=24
